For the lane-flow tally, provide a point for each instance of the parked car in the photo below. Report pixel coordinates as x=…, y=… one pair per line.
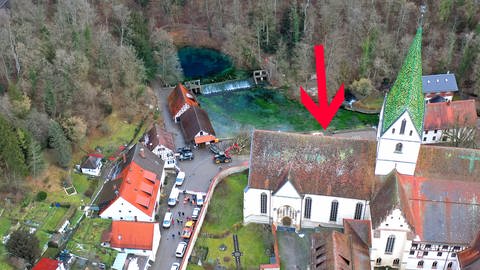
x=188, y=229
x=175, y=266
x=173, y=198
x=199, y=199
x=167, y=221
x=180, y=178
x=196, y=212
x=181, y=249
x=214, y=149
x=185, y=153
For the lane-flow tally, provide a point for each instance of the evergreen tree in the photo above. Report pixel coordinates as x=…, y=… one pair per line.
x=11, y=155
x=35, y=160
x=60, y=144
x=23, y=244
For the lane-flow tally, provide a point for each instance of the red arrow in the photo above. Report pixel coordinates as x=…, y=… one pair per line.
x=323, y=112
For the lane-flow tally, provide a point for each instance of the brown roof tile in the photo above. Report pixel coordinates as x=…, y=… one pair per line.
x=360, y=228
x=336, y=250
x=469, y=258
x=179, y=96
x=447, y=115
x=315, y=164
x=159, y=136
x=193, y=121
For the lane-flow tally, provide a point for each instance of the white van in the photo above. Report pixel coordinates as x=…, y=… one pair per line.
x=180, y=178
x=167, y=221
x=173, y=198
x=180, y=249
x=199, y=199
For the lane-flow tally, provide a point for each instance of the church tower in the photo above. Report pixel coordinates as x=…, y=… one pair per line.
x=401, y=119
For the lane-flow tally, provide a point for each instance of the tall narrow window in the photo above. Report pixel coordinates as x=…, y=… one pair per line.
x=334, y=211
x=358, y=211
x=402, y=128
x=450, y=265
x=393, y=130
x=434, y=265
x=263, y=203
x=308, y=208
x=378, y=261
x=390, y=244
x=396, y=261
x=420, y=264
x=398, y=148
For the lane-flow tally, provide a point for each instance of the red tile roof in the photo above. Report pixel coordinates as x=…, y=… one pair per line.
x=442, y=210
x=138, y=188
x=46, y=264
x=180, y=96
x=447, y=115
x=469, y=258
x=134, y=235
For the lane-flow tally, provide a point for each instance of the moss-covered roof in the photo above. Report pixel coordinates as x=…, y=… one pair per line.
x=406, y=93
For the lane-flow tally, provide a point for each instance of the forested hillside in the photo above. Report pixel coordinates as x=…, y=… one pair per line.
x=66, y=65
x=362, y=38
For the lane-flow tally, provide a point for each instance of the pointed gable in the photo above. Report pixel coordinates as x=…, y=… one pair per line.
x=391, y=196
x=180, y=96
x=406, y=93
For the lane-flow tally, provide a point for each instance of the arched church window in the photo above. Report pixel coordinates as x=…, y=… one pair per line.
x=308, y=208
x=398, y=148
x=402, y=128
x=263, y=203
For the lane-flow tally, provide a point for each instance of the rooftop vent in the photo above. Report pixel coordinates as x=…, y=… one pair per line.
x=142, y=152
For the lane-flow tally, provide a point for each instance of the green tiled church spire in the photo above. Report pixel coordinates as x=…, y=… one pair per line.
x=406, y=93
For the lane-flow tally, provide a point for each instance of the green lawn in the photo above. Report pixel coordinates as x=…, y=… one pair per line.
x=81, y=182
x=224, y=217
x=86, y=240
x=229, y=192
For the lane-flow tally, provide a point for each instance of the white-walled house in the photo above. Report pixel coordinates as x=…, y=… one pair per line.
x=180, y=100
x=196, y=127
x=455, y=117
x=439, y=87
x=160, y=142
x=92, y=165
x=138, y=238
x=134, y=193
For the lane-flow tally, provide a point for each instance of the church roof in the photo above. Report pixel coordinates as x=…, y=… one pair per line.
x=442, y=210
x=406, y=93
x=341, y=167
x=447, y=115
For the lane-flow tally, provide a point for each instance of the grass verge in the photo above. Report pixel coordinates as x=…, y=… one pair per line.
x=224, y=218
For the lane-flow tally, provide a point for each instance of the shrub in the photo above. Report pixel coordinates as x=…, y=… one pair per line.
x=41, y=196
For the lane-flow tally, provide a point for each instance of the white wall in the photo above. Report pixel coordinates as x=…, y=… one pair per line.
x=432, y=136
x=121, y=209
x=395, y=225
x=92, y=172
x=448, y=254
x=181, y=111
x=388, y=159
x=321, y=208
x=251, y=206
x=320, y=213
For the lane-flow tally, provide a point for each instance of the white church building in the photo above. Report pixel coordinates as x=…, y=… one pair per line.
x=421, y=200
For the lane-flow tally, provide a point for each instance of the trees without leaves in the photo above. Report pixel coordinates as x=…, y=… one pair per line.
x=24, y=245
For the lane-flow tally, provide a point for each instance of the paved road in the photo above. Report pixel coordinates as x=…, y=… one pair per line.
x=198, y=172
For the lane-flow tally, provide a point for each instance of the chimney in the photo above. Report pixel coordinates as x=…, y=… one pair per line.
x=142, y=152
x=124, y=158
